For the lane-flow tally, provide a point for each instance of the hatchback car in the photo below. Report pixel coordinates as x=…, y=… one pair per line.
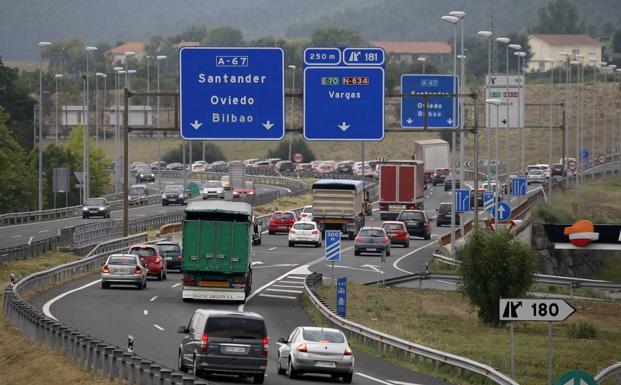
x=304, y=232
x=444, y=215
x=372, y=240
x=397, y=232
x=285, y=166
x=174, y=167
x=316, y=350
x=138, y=192
x=96, y=207
x=281, y=221
x=145, y=174
x=448, y=183
x=439, y=175
x=123, y=269
x=224, y=342
x=151, y=259
x=307, y=213
x=535, y=175
x=558, y=170
x=174, y=194
x=213, y=189
x=171, y=251
x=417, y=223
x=158, y=165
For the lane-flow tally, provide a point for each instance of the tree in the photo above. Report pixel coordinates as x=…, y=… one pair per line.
x=99, y=177
x=17, y=179
x=297, y=145
x=559, y=16
x=495, y=265
x=213, y=152
x=336, y=37
x=18, y=105
x=223, y=37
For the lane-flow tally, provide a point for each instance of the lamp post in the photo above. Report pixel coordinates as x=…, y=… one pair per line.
x=129, y=74
x=117, y=148
x=496, y=103
x=618, y=146
x=551, y=96
x=517, y=48
x=97, y=76
x=505, y=40
x=42, y=45
x=578, y=152
x=292, y=68
x=453, y=20
x=57, y=77
x=159, y=58
x=604, y=70
x=86, y=163
x=488, y=35
x=611, y=68
x=593, y=63
x=127, y=55
x=520, y=64
x=567, y=100
x=422, y=59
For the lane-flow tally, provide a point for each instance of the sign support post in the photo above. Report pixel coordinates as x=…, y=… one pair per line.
x=549, y=352
x=512, y=347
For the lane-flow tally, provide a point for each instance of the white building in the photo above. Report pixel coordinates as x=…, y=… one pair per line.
x=139, y=116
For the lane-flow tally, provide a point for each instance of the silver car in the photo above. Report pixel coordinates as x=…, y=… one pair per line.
x=316, y=350
x=213, y=189
x=124, y=269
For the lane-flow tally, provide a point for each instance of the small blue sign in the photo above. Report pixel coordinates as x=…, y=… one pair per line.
x=518, y=186
x=333, y=245
x=502, y=212
x=344, y=95
x=442, y=111
x=341, y=297
x=462, y=201
x=488, y=200
x=586, y=156
x=232, y=93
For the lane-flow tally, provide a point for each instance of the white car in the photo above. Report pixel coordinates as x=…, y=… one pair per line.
x=358, y=169
x=307, y=213
x=303, y=232
x=535, y=175
x=213, y=189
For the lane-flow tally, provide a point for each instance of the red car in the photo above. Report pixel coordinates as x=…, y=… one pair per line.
x=244, y=192
x=281, y=221
x=397, y=232
x=151, y=259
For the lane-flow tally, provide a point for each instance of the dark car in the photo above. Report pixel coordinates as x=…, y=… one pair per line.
x=218, y=166
x=137, y=193
x=174, y=167
x=96, y=207
x=444, y=215
x=558, y=170
x=439, y=175
x=174, y=194
x=416, y=222
x=257, y=231
x=448, y=183
x=161, y=165
x=346, y=167
x=145, y=175
x=285, y=166
x=224, y=342
x=372, y=240
x=171, y=251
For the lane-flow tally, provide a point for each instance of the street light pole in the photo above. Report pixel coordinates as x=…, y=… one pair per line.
x=578, y=152
x=422, y=59
x=292, y=68
x=496, y=103
x=117, y=141
x=57, y=77
x=593, y=112
x=505, y=40
x=42, y=45
x=159, y=58
x=520, y=64
x=551, y=96
x=86, y=160
x=129, y=137
x=488, y=35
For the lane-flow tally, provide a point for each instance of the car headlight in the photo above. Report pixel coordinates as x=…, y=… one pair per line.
x=163, y=196
x=102, y=208
x=180, y=196
x=152, y=175
x=84, y=208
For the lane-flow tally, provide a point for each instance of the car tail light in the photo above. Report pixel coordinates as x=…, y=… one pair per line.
x=315, y=232
x=105, y=269
x=266, y=345
x=240, y=281
x=411, y=207
x=386, y=240
x=158, y=260
x=358, y=239
x=179, y=257
x=188, y=282
x=302, y=348
x=348, y=351
x=138, y=270
x=383, y=206
x=204, y=342
x=425, y=224
x=291, y=231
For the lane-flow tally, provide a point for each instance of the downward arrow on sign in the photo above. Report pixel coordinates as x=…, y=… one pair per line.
x=268, y=124
x=344, y=126
x=196, y=124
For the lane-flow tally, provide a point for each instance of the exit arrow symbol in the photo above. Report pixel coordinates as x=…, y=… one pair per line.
x=504, y=121
x=344, y=126
x=410, y=121
x=196, y=124
x=268, y=124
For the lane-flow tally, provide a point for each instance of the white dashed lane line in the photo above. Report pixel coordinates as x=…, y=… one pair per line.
x=277, y=296
x=153, y=299
x=272, y=248
x=146, y=312
x=158, y=327
x=285, y=291
x=176, y=284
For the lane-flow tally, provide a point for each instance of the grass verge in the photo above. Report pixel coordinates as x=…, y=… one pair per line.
x=286, y=203
x=17, y=352
x=444, y=321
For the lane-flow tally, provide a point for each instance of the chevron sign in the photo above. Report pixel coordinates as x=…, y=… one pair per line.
x=333, y=246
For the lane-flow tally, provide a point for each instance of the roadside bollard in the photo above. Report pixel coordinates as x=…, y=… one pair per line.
x=145, y=372
x=92, y=345
x=108, y=361
x=165, y=376
x=136, y=361
x=99, y=358
x=176, y=378
x=117, y=365
x=126, y=367
x=86, y=342
x=187, y=381
x=155, y=374
x=75, y=346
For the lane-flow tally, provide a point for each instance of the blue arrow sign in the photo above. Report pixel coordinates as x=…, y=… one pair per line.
x=442, y=111
x=232, y=93
x=341, y=297
x=344, y=94
x=502, y=212
x=518, y=186
x=333, y=245
x=462, y=201
x=488, y=200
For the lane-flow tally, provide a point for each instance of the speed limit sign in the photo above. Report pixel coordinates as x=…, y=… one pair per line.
x=572, y=165
x=298, y=157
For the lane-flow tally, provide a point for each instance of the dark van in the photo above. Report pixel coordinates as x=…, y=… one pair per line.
x=224, y=342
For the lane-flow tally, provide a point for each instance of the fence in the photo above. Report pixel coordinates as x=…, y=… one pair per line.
x=97, y=356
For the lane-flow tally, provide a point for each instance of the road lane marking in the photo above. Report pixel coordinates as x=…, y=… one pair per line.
x=146, y=312
x=153, y=299
x=276, y=296
x=294, y=277
x=30, y=239
x=48, y=304
x=286, y=286
x=292, y=282
x=447, y=282
x=16, y=236
x=176, y=284
x=158, y=327
x=256, y=263
x=402, y=383
x=44, y=231
x=395, y=263
x=272, y=248
x=277, y=265
x=285, y=291
x=353, y=268
x=373, y=378
x=162, y=212
x=140, y=215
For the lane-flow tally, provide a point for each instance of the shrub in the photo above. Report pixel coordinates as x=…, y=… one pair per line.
x=584, y=330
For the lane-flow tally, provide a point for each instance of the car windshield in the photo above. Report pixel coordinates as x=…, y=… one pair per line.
x=304, y=226
x=393, y=226
x=446, y=208
x=213, y=184
x=236, y=328
x=95, y=202
x=535, y=172
x=170, y=249
x=283, y=216
x=136, y=191
x=142, y=251
x=323, y=336
x=173, y=189
x=411, y=216
x=122, y=260
x=371, y=233
x=308, y=210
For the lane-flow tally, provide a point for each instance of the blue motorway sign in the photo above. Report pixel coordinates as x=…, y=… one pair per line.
x=502, y=212
x=518, y=186
x=344, y=94
x=488, y=200
x=232, y=93
x=333, y=245
x=341, y=297
x=442, y=111
x=462, y=201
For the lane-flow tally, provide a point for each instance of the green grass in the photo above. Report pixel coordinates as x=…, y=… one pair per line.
x=610, y=269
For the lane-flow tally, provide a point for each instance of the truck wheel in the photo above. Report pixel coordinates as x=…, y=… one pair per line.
x=356, y=252
x=291, y=244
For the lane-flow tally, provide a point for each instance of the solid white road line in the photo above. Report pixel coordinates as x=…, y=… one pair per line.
x=277, y=296
x=153, y=299
x=277, y=265
x=46, y=306
x=44, y=231
x=352, y=268
x=272, y=248
x=285, y=291
x=395, y=263
x=141, y=215
x=294, y=277
x=373, y=378
x=158, y=327
x=176, y=284
x=402, y=383
x=287, y=286
x=146, y=312
x=16, y=236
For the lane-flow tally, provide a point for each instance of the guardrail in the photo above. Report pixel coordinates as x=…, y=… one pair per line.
x=609, y=371
x=97, y=356
x=383, y=341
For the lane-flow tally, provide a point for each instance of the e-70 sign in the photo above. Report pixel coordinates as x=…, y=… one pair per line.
x=553, y=310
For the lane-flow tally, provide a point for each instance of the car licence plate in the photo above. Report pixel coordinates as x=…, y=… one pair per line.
x=372, y=249
x=325, y=364
x=234, y=349
x=169, y=258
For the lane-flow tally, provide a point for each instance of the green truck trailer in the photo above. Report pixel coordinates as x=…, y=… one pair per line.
x=217, y=262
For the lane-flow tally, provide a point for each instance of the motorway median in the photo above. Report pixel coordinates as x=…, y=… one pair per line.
x=444, y=320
